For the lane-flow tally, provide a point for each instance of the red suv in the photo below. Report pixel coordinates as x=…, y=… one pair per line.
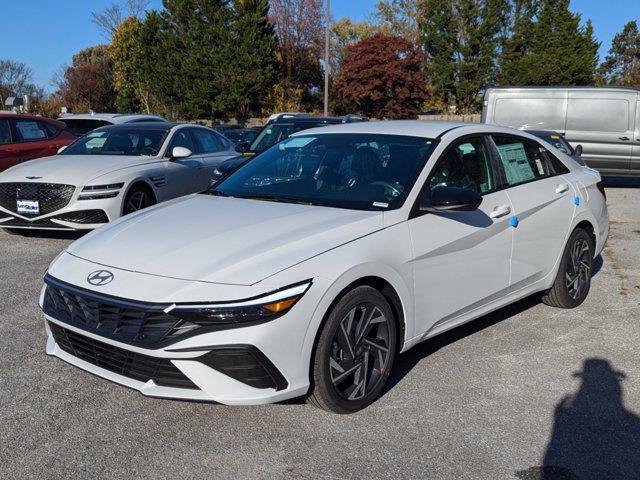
x=23, y=137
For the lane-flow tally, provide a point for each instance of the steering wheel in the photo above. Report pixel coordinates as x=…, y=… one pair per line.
x=391, y=189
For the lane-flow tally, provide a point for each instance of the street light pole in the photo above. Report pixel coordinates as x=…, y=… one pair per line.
x=326, y=58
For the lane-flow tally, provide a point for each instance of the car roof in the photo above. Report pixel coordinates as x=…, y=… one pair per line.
x=31, y=117
x=307, y=119
x=559, y=87
x=109, y=117
x=414, y=128
x=22, y=115
x=411, y=128
x=165, y=126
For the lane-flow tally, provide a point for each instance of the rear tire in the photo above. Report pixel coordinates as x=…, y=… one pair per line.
x=137, y=198
x=355, y=352
x=573, y=280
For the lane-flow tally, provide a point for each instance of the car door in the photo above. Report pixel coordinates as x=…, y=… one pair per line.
x=542, y=198
x=634, y=165
x=7, y=149
x=31, y=139
x=602, y=121
x=461, y=259
x=213, y=150
x=182, y=172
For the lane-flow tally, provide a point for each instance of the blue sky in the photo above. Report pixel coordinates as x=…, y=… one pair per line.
x=45, y=33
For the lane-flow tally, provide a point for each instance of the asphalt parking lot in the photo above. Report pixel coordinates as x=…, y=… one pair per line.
x=529, y=392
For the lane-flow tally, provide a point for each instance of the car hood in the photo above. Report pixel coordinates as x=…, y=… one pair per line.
x=71, y=169
x=223, y=240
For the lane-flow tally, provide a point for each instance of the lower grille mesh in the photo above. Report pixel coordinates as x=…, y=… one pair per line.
x=123, y=362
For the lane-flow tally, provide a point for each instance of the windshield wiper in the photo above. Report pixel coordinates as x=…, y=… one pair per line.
x=276, y=198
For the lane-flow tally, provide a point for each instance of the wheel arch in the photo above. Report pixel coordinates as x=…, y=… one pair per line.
x=139, y=182
x=587, y=226
x=380, y=277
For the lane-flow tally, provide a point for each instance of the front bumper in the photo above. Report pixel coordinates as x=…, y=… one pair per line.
x=78, y=215
x=190, y=378
x=278, y=346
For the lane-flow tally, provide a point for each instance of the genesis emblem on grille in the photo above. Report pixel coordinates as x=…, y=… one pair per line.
x=33, y=178
x=100, y=278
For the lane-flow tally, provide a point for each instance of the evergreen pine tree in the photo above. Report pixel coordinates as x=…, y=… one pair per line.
x=560, y=50
x=253, y=65
x=461, y=40
x=196, y=40
x=516, y=40
x=622, y=65
x=440, y=40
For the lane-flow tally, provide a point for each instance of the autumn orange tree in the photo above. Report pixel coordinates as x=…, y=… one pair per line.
x=382, y=77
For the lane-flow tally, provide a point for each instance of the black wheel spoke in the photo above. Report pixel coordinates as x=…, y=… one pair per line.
x=578, y=269
x=360, y=351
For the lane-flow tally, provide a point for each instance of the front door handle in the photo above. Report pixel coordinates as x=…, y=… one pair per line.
x=500, y=211
x=562, y=188
x=624, y=139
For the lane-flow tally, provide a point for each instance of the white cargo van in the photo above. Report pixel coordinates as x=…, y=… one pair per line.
x=604, y=120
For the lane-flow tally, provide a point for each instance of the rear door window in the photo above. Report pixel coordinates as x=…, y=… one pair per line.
x=522, y=160
x=208, y=141
x=29, y=130
x=5, y=132
x=52, y=130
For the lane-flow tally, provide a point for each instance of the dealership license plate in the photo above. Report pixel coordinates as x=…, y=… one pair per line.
x=30, y=207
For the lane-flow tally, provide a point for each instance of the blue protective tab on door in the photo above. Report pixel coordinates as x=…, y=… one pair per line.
x=513, y=222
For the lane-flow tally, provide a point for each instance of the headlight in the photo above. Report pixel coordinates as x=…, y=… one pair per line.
x=263, y=308
x=98, y=192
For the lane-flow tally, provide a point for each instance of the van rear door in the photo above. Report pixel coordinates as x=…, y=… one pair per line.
x=602, y=121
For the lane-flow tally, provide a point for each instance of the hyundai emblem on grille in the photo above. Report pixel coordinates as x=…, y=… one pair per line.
x=32, y=178
x=100, y=277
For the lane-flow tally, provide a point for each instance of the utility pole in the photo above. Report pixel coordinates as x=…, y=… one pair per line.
x=327, y=27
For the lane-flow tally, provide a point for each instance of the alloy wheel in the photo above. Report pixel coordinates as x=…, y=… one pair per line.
x=360, y=352
x=578, y=270
x=137, y=201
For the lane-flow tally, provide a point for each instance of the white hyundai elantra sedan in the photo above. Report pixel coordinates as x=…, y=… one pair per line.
x=110, y=172
x=308, y=270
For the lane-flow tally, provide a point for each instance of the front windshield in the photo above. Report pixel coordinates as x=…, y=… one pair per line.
x=357, y=171
x=119, y=141
x=276, y=132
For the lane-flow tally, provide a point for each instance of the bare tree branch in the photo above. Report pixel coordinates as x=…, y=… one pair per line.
x=112, y=17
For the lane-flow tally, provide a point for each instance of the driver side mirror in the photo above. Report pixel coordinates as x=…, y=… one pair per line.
x=577, y=150
x=180, y=152
x=450, y=199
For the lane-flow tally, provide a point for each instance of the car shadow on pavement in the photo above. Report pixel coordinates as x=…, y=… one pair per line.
x=621, y=182
x=594, y=436
x=408, y=360
x=54, y=234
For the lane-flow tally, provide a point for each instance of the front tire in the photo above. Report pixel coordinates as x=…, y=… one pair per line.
x=355, y=352
x=573, y=280
x=137, y=198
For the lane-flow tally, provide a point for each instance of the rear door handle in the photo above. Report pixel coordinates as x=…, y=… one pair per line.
x=500, y=211
x=562, y=188
x=623, y=138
